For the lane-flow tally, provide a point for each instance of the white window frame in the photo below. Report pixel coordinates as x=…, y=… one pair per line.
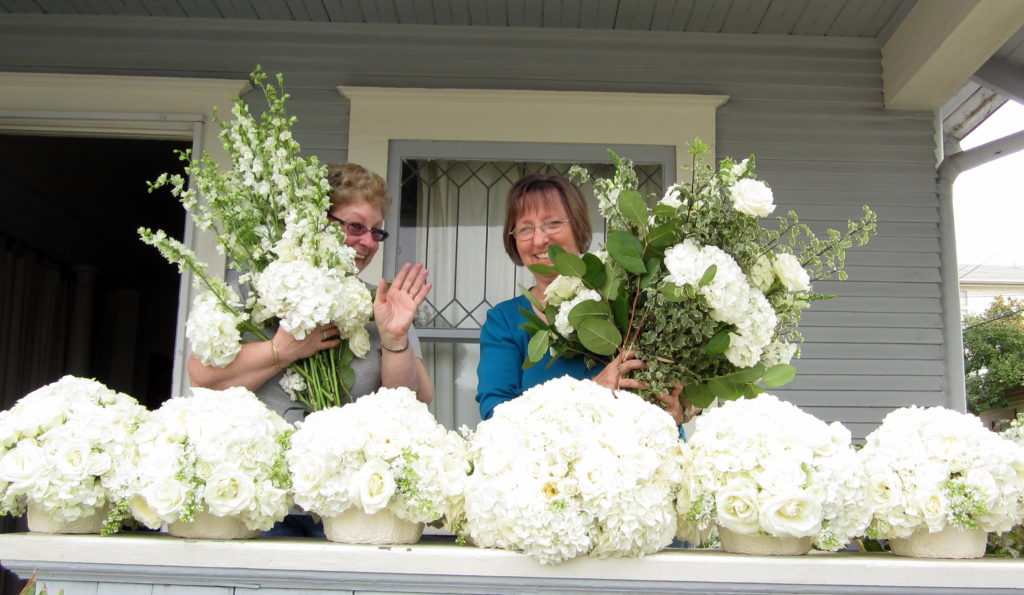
x=379, y=115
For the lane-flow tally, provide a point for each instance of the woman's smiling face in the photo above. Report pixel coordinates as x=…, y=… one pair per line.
x=543, y=212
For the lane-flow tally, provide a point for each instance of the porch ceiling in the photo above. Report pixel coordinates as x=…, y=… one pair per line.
x=965, y=93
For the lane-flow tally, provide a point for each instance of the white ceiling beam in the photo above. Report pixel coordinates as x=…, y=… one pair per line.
x=939, y=45
x=1002, y=77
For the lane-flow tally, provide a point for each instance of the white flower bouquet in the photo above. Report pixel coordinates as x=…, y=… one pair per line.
x=763, y=466
x=269, y=212
x=66, y=449
x=219, y=452
x=932, y=468
x=384, y=451
x=569, y=469
x=694, y=284
x=1011, y=543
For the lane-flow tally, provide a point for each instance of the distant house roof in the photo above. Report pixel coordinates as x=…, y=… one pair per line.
x=987, y=274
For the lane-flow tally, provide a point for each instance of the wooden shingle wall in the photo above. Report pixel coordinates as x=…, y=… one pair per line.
x=809, y=108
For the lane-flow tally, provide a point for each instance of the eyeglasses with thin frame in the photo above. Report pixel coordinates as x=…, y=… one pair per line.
x=550, y=227
x=356, y=229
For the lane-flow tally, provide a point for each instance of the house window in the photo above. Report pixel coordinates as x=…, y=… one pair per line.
x=451, y=215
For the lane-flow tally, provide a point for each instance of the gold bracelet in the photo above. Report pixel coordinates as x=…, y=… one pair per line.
x=273, y=351
x=392, y=350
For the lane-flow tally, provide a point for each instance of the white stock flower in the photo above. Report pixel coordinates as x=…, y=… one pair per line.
x=791, y=272
x=752, y=197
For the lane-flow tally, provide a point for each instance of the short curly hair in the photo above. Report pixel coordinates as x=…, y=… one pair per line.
x=351, y=182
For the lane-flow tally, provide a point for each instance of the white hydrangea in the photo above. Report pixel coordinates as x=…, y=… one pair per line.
x=562, y=317
x=304, y=297
x=764, y=466
x=213, y=331
x=752, y=197
x=792, y=274
x=730, y=295
x=293, y=383
x=218, y=451
x=385, y=450
x=934, y=467
x=68, y=448
x=570, y=468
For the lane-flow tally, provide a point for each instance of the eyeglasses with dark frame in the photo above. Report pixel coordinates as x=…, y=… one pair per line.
x=548, y=227
x=356, y=229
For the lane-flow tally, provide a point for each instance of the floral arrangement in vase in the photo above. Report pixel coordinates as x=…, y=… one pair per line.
x=1010, y=544
x=67, y=453
x=933, y=468
x=762, y=466
x=383, y=454
x=216, y=453
x=269, y=214
x=571, y=468
x=703, y=293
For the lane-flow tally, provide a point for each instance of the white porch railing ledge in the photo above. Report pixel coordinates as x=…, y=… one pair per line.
x=150, y=563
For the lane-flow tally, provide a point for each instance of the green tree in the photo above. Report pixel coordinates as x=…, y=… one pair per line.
x=993, y=353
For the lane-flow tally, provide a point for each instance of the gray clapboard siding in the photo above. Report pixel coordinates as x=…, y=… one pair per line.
x=809, y=108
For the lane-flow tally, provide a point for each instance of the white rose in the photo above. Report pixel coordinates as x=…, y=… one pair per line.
x=165, y=496
x=72, y=459
x=933, y=507
x=22, y=466
x=100, y=463
x=359, y=342
x=562, y=288
x=794, y=513
x=372, y=486
x=228, y=491
x=143, y=512
x=752, y=197
x=671, y=197
x=791, y=273
x=736, y=504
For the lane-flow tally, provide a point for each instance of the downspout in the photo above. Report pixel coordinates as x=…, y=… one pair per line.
x=948, y=171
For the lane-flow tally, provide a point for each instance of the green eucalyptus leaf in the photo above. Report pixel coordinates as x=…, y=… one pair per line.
x=569, y=265
x=633, y=208
x=532, y=298
x=664, y=235
x=615, y=277
x=673, y=292
x=653, y=264
x=543, y=269
x=588, y=309
x=554, y=250
x=595, y=276
x=620, y=311
x=699, y=394
x=751, y=390
x=348, y=376
x=538, y=346
x=533, y=318
x=663, y=210
x=747, y=375
x=599, y=335
x=718, y=344
x=723, y=389
x=779, y=375
x=626, y=250
x=709, y=276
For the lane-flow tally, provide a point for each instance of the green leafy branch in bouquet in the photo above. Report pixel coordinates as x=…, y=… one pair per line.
x=644, y=293
x=268, y=211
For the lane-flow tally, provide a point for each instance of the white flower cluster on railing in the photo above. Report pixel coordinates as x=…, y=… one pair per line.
x=568, y=469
